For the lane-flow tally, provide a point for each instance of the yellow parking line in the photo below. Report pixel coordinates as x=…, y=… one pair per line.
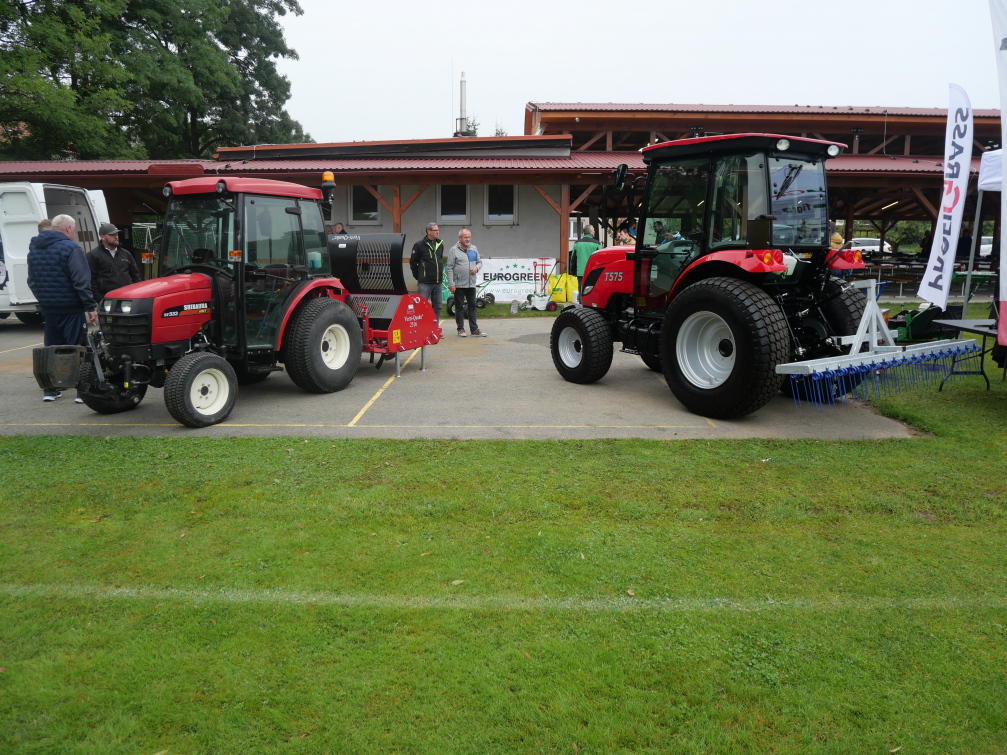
x=19, y=348
x=364, y=427
x=380, y=391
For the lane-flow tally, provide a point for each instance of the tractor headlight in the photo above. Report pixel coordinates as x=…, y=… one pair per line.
x=833, y=150
x=125, y=306
x=221, y=187
x=783, y=145
x=107, y=305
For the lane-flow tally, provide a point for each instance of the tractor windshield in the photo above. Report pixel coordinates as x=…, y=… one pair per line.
x=198, y=230
x=798, y=202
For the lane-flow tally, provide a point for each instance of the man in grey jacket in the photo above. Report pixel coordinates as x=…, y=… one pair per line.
x=463, y=266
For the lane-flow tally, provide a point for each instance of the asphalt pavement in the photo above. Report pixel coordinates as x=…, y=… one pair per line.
x=501, y=387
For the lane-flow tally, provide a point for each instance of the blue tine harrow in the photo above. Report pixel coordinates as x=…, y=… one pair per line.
x=875, y=365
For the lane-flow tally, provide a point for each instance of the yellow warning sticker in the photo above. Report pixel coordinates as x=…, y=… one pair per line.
x=641, y=301
x=396, y=336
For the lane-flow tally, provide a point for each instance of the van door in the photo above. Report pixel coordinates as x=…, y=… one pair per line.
x=69, y=200
x=20, y=213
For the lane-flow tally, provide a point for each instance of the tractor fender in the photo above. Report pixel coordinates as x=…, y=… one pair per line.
x=607, y=272
x=313, y=289
x=735, y=263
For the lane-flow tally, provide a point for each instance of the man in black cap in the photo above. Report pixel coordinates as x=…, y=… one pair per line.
x=111, y=267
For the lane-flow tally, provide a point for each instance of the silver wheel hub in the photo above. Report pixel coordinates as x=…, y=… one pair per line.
x=570, y=347
x=705, y=350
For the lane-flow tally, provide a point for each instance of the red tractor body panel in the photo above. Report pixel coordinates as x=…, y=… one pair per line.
x=319, y=287
x=746, y=260
x=616, y=276
x=208, y=185
x=413, y=325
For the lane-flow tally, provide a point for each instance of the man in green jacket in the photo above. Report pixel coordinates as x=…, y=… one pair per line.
x=427, y=265
x=582, y=252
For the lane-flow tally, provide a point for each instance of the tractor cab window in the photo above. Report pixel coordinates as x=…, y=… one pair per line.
x=316, y=244
x=274, y=264
x=674, y=223
x=798, y=201
x=198, y=230
x=739, y=197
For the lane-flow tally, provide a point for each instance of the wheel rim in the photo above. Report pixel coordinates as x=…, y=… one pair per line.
x=706, y=350
x=335, y=346
x=209, y=392
x=571, y=347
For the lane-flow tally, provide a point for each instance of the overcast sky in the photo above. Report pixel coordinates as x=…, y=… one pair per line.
x=384, y=69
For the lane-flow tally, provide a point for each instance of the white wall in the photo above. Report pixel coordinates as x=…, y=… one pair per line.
x=536, y=232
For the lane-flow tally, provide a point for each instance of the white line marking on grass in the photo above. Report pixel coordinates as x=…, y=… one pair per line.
x=613, y=604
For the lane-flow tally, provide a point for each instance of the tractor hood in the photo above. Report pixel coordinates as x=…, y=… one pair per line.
x=159, y=287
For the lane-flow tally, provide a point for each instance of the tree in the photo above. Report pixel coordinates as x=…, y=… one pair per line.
x=134, y=78
x=61, y=87
x=204, y=74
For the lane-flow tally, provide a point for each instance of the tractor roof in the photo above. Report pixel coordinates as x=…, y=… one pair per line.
x=736, y=143
x=208, y=185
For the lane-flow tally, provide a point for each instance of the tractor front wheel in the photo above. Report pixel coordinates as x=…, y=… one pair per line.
x=720, y=343
x=200, y=389
x=113, y=404
x=581, y=345
x=322, y=346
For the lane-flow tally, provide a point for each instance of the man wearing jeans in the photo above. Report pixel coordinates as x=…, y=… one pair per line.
x=463, y=267
x=60, y=279
x=427, y=265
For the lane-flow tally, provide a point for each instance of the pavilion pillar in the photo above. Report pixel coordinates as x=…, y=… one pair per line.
x=564, y=223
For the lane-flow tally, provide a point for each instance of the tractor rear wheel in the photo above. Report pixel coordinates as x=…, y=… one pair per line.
x=322, y=346
x=581, y=345
x=200, y=389
x=108, y=404
x=30, y=318
x=720, y=343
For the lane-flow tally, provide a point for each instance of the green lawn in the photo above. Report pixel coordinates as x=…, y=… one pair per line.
x=245, y=595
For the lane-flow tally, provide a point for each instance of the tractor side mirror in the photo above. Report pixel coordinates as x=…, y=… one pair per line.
x=619, y=174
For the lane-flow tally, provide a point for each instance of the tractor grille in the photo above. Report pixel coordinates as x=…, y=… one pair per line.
x=125, y=330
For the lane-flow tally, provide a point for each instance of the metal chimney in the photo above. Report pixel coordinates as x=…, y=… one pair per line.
x=462, y=126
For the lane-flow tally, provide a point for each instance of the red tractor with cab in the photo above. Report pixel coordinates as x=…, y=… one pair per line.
x=730, y=276
x=247, y=280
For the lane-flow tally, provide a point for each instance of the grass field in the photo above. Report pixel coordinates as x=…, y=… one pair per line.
x=248, y=595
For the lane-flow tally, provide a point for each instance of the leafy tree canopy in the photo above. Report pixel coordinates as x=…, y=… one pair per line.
x=142, y=78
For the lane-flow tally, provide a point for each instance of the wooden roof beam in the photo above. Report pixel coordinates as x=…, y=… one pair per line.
x=591, y=141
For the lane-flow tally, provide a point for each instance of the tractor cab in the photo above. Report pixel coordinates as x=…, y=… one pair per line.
x=256, y=244
x=758, y=201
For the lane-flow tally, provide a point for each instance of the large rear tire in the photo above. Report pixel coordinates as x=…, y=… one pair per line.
x=581, y=345
x=200, y=390
x=720, y=343
x=30, y=318
x=322, y=346
x=108, y=404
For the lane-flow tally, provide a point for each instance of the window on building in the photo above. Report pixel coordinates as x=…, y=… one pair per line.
x=453, y=204
x=501, y=205
x=364, y=207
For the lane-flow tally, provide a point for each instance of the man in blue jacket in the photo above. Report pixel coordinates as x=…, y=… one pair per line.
x=59, y=277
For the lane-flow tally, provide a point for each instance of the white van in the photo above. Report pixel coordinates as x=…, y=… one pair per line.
x=22, y=206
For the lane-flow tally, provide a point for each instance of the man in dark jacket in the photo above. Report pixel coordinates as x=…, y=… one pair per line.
x=111, y=266
x=427, y=264
x=59, y=278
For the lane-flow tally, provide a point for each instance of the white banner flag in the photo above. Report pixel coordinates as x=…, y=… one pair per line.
x=957, y=164
x=998, y=10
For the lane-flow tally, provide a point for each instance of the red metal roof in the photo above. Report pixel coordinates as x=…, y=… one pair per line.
x=890, y=164
x=576, y=162
x=152, y=167
x=631, y=107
